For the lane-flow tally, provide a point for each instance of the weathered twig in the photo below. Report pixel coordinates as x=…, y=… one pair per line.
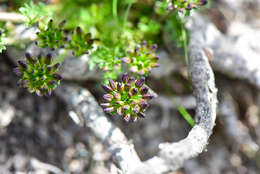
x=236, y=54
x=172, y=155
x=12, y=17
x=228, y=114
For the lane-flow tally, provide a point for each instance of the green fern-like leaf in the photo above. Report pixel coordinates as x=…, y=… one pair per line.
x=35, y=12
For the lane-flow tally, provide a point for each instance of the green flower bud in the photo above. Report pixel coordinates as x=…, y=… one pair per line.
x=36, y=75
x=128, y=99
x=142, y=59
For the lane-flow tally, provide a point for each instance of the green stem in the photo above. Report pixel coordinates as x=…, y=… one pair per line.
x=186, y=115
x=127, y=12
x=114, y=8
x=60, y=58
x=185, y=44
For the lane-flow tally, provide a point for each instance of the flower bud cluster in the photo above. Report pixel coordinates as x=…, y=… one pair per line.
x=128, y=98
x=142, y=59
x=52, y=37
x=38, y=74
x=80, y=43
x=185, y=5
x=57, y=37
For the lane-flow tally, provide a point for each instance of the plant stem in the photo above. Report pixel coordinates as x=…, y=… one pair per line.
x=127, y=12
x=186, y=115
x=185, y=44
x=114, y=8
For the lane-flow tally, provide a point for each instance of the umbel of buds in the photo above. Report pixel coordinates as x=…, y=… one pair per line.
x=38, y=75
x=80, y=43
x=142, y=59
x=185, y=5
x=52, y=37
x=128, y=98
x=55, y=37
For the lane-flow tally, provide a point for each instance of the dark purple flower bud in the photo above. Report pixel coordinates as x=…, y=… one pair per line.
x=148, y=96
x=129, y=94
x=18, y=72
x=143, y=104
x=141, y=114
x=79, y=30
x=127, y=87
x=154, y=47
x=133, y=119
x=36, y=43
x=125, y=60
x=24, y=83
x=126, y=107
x=141, y=72
x=203, y=2
x=137, y=49
x=39, y=57
x=105, y=105
x=62, y=46
x=29, y=57
x=170, y=6
x=120, y=102
x=38, y=92
x=119, y=86
x=136, y=109
x=119, y=111
x=144, y=90
x=125, y=77
x=133, y=103
x=23, y=64
x=156, y=65
x=112, y=84
x=134, y=91
x=48, y=59
x=56, y=66
x=107, y=88
x=127, y=118
x=108, y=97
x=117, y=96
x=130, y=80
x=140, y=82
x=0, y=32
x=189, y=6
x=48, y=93
x=57, y=76
x=109, y=110
x=62, y=23
x=43, y=78
x=49, y=69
x=52, y=82
x=144, y=43
x=156, y=57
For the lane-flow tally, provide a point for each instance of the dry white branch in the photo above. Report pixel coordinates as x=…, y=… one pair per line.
x=235, y=54
x=172, y=155
x=227, y=113
x=12, y=17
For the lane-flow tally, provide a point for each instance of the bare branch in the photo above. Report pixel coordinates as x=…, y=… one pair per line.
x=12, y=17
x=172, y=155
x=235, y=54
